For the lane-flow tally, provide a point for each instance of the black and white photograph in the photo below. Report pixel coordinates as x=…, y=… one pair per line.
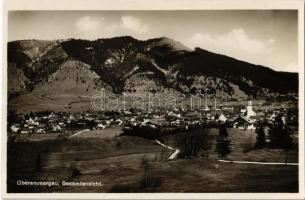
x=154, y=101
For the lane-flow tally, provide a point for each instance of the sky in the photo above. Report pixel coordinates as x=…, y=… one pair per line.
x=264, y=37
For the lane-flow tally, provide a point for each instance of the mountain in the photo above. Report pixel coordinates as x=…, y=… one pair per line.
x=124, y=64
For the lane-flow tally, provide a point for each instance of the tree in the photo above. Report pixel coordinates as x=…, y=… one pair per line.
x=276, y=132
x=280, y=136
x=38, y=162
x=149, y=181
x=74, y=171
x=146, y=165
x=192, y=143
x=223, y=143
x=260, y=138
x=223, y=132
x=289, y=115
x=118, y=145
x=287, y=141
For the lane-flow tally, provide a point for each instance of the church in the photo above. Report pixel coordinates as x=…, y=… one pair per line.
x=247, y=118
x=250, y=113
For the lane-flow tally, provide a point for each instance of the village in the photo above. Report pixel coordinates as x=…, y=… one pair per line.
x=145, y=147
x=245, y=117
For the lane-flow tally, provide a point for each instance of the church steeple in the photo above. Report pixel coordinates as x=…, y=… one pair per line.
x=250, y=111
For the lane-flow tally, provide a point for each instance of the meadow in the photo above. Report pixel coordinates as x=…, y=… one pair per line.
x=134, y=164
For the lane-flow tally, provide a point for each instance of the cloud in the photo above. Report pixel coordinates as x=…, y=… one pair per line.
x=271, y=40
x=112, y=27
x=134, y=24
x=236, y=43
x=91, y=27
x=87, y=23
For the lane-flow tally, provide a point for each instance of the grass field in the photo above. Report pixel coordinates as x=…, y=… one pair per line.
x=80, y=103
x=117, y=162
x=102, y=133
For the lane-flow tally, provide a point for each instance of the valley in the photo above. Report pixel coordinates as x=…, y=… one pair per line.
x=147, y=116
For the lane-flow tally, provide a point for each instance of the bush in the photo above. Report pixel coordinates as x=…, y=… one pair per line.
x=260, y=138
x=191, y=144
x=74, y=171
x=223, y=144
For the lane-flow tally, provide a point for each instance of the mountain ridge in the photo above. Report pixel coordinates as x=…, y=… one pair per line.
x=122, y=63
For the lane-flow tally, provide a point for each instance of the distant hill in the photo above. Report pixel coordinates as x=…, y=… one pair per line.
x=125, y=64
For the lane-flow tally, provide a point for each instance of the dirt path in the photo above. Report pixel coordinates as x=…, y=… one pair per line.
x=256, y=163
x=173, y=155
x=79, y=132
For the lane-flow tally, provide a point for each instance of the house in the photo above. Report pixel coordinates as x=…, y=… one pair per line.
x=40, y=128
x=175, y=123
x=153, y=126
x=172, y=114
x=160, y=122
x=228, y=108
x=222, y=118
x=243, y=111
x=15, y=127
x=100, y=126
x=251, y=127
x=145, y=121
x=62, y=124
x=127, y=112
x=119, y=121
x=241, y=122
x=32, y=122
x=56, y=128
x=108, y=122
x=248, y=117
x=25, y=130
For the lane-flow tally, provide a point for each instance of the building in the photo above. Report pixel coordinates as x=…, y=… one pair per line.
x=241, y=122
x=222, y=118
x=247, y=119
x=250, y=113
x=15, y=127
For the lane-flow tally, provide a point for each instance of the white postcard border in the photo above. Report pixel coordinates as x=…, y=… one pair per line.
x=10, y=5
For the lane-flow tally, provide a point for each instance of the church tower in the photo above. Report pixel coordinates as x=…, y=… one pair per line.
x=250, y=111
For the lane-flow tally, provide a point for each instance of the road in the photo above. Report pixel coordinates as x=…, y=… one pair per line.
x=256, y=163
x=173, y=155
x=80, y=132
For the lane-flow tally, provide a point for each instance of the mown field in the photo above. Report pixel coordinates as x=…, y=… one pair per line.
x=118, y=162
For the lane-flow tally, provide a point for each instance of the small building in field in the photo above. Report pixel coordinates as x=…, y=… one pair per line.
x=15, y=127
x=222, y=118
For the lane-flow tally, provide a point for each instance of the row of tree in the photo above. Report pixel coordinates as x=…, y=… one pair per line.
x=279, y=136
